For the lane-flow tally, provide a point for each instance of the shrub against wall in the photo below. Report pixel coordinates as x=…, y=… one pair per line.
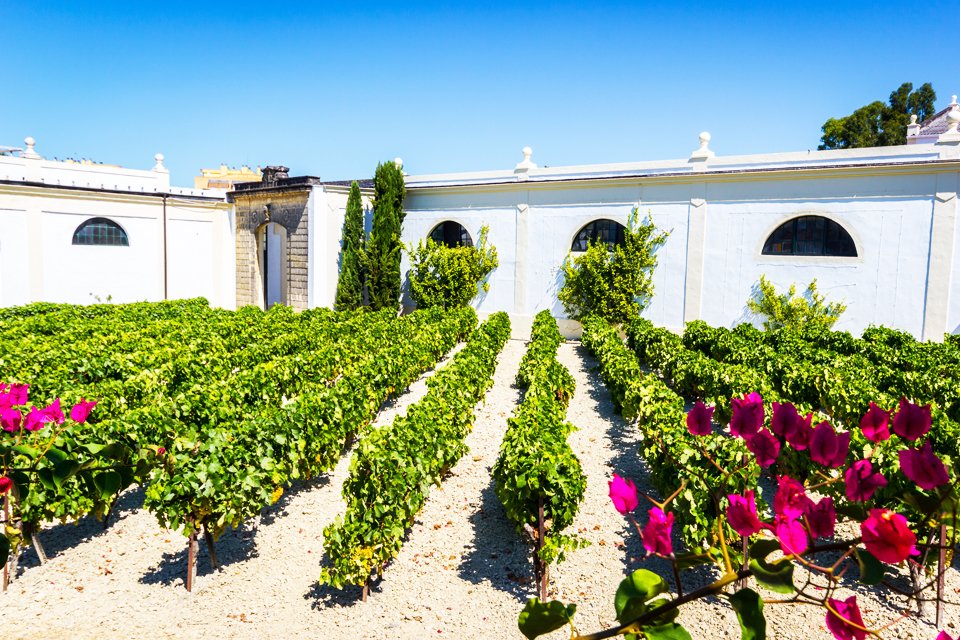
x=792, y=311
x=442, y=276
x=350, y=281
x=383, y=248
x=615, y=285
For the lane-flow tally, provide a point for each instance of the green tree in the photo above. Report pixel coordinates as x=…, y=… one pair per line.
x=383, y=248
x=878, y=124
x=792, y=311
x=442, y=276
x=616, y=285
x=350, y=280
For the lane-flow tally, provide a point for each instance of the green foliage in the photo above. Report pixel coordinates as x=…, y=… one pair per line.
x=384, y=246
x=447, y=277
x=789, y=310
x=878, y=124
x=539, y=618
x=615, y=285
x=393, y=467
x=536, y=464
x=350, y=280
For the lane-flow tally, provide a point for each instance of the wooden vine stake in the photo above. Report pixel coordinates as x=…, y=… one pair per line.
x=211, y=549
x=6, y=520
x=191, y=559
x=941, y=572
x=540, y=568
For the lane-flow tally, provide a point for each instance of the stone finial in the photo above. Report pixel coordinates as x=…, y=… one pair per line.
x=526, y=164
x=913, y=129
x=951, y=135
x=274, y=174
x=703, y=152
x=399, y=162
x=158, y=167
x=30, y=152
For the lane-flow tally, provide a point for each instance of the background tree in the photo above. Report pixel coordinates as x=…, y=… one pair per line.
x=878, y=124
x=383, y=249
x=350, y=280
x=615, y=285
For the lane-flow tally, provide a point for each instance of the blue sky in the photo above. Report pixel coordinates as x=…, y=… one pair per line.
x=330, y=89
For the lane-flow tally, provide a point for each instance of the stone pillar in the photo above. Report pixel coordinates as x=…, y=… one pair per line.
x=696, y=242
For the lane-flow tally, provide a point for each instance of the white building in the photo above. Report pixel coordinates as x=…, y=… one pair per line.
x=82, y=232
x=876, y=227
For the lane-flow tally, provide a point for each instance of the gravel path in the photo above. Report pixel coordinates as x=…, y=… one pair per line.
x=463, y=572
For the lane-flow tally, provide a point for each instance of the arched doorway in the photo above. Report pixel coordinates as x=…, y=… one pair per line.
x=272, y=259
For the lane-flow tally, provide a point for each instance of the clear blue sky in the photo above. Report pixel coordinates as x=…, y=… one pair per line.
x=330, y=89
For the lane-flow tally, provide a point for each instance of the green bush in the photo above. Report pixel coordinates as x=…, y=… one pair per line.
x=789, y=310
x=447, y=277
x=614, y=285
x=350, y=280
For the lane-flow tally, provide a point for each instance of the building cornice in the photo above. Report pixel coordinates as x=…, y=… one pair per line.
x=37, y=189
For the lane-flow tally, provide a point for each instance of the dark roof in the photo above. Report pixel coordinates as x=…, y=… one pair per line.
x=937, y=123
x=365, y=183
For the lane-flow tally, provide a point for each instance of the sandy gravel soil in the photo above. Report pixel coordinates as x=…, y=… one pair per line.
x=462, y=573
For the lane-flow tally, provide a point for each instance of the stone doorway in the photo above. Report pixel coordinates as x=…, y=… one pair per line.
x=272, y=259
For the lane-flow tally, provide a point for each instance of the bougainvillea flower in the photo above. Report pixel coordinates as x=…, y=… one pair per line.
x=862, y=482
x=844, y=619
x=875, y=423
x=748, y=415
x=624, y=494
x=800, y=433
x=698, y=419
x=742, y=514
x=765, y=446
x=886, y=535
x=53, y=413
x=18, y=394
x=829, y=448
x=912, y=421
x=943, y=635
x=34, y=420
x=5, y=484
x=791, y=499
x=82, y=410
x=161, y=451
x=656, y=535
x=10, y=419
x=821, y=518
x=923, y=467
x=784, y=415
x=792, y=536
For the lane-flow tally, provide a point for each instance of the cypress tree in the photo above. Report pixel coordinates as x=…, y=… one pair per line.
x=383, y=252
x=350, y=281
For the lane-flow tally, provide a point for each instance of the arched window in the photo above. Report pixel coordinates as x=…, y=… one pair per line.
x=608, y=232
x=451, y=234
x=810, y=236
x=100, y=231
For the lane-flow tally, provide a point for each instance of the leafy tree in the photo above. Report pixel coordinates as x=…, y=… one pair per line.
x=350, y=281
x=878, y=124
x=788, y=310
x=442, y=276
x=383, y=248
x=615, y=285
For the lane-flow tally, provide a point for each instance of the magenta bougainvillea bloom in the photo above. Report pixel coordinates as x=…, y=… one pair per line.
x=18, y=393
x=765, y=446
x=844, y=619
x=821, y=518
x=943, y=635
x=862, y=482
x=698, y=419
x=875, y=423
x=801, y=433
x=656, y=535
x=742, y=514
x=829, y=448
x=82, y=410
x=10, y=419
x=923, y=467
x=5, y=484
x=792, y=536
x=624, y=494
x=886, y=535
x=161, y=451
x=747, y=415
x=791, y=499
x=53, y=413
x=912, y=421
x=784, y=415
x=34, y=420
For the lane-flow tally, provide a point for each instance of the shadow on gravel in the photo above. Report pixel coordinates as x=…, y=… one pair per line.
x=498, y=556
x=61, y=537
x=235, y=545
x=323, y=595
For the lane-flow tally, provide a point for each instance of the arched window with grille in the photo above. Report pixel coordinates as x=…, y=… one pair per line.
x=101, y=232
x=810, y=236
x=609, y=232
x=451, y=234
